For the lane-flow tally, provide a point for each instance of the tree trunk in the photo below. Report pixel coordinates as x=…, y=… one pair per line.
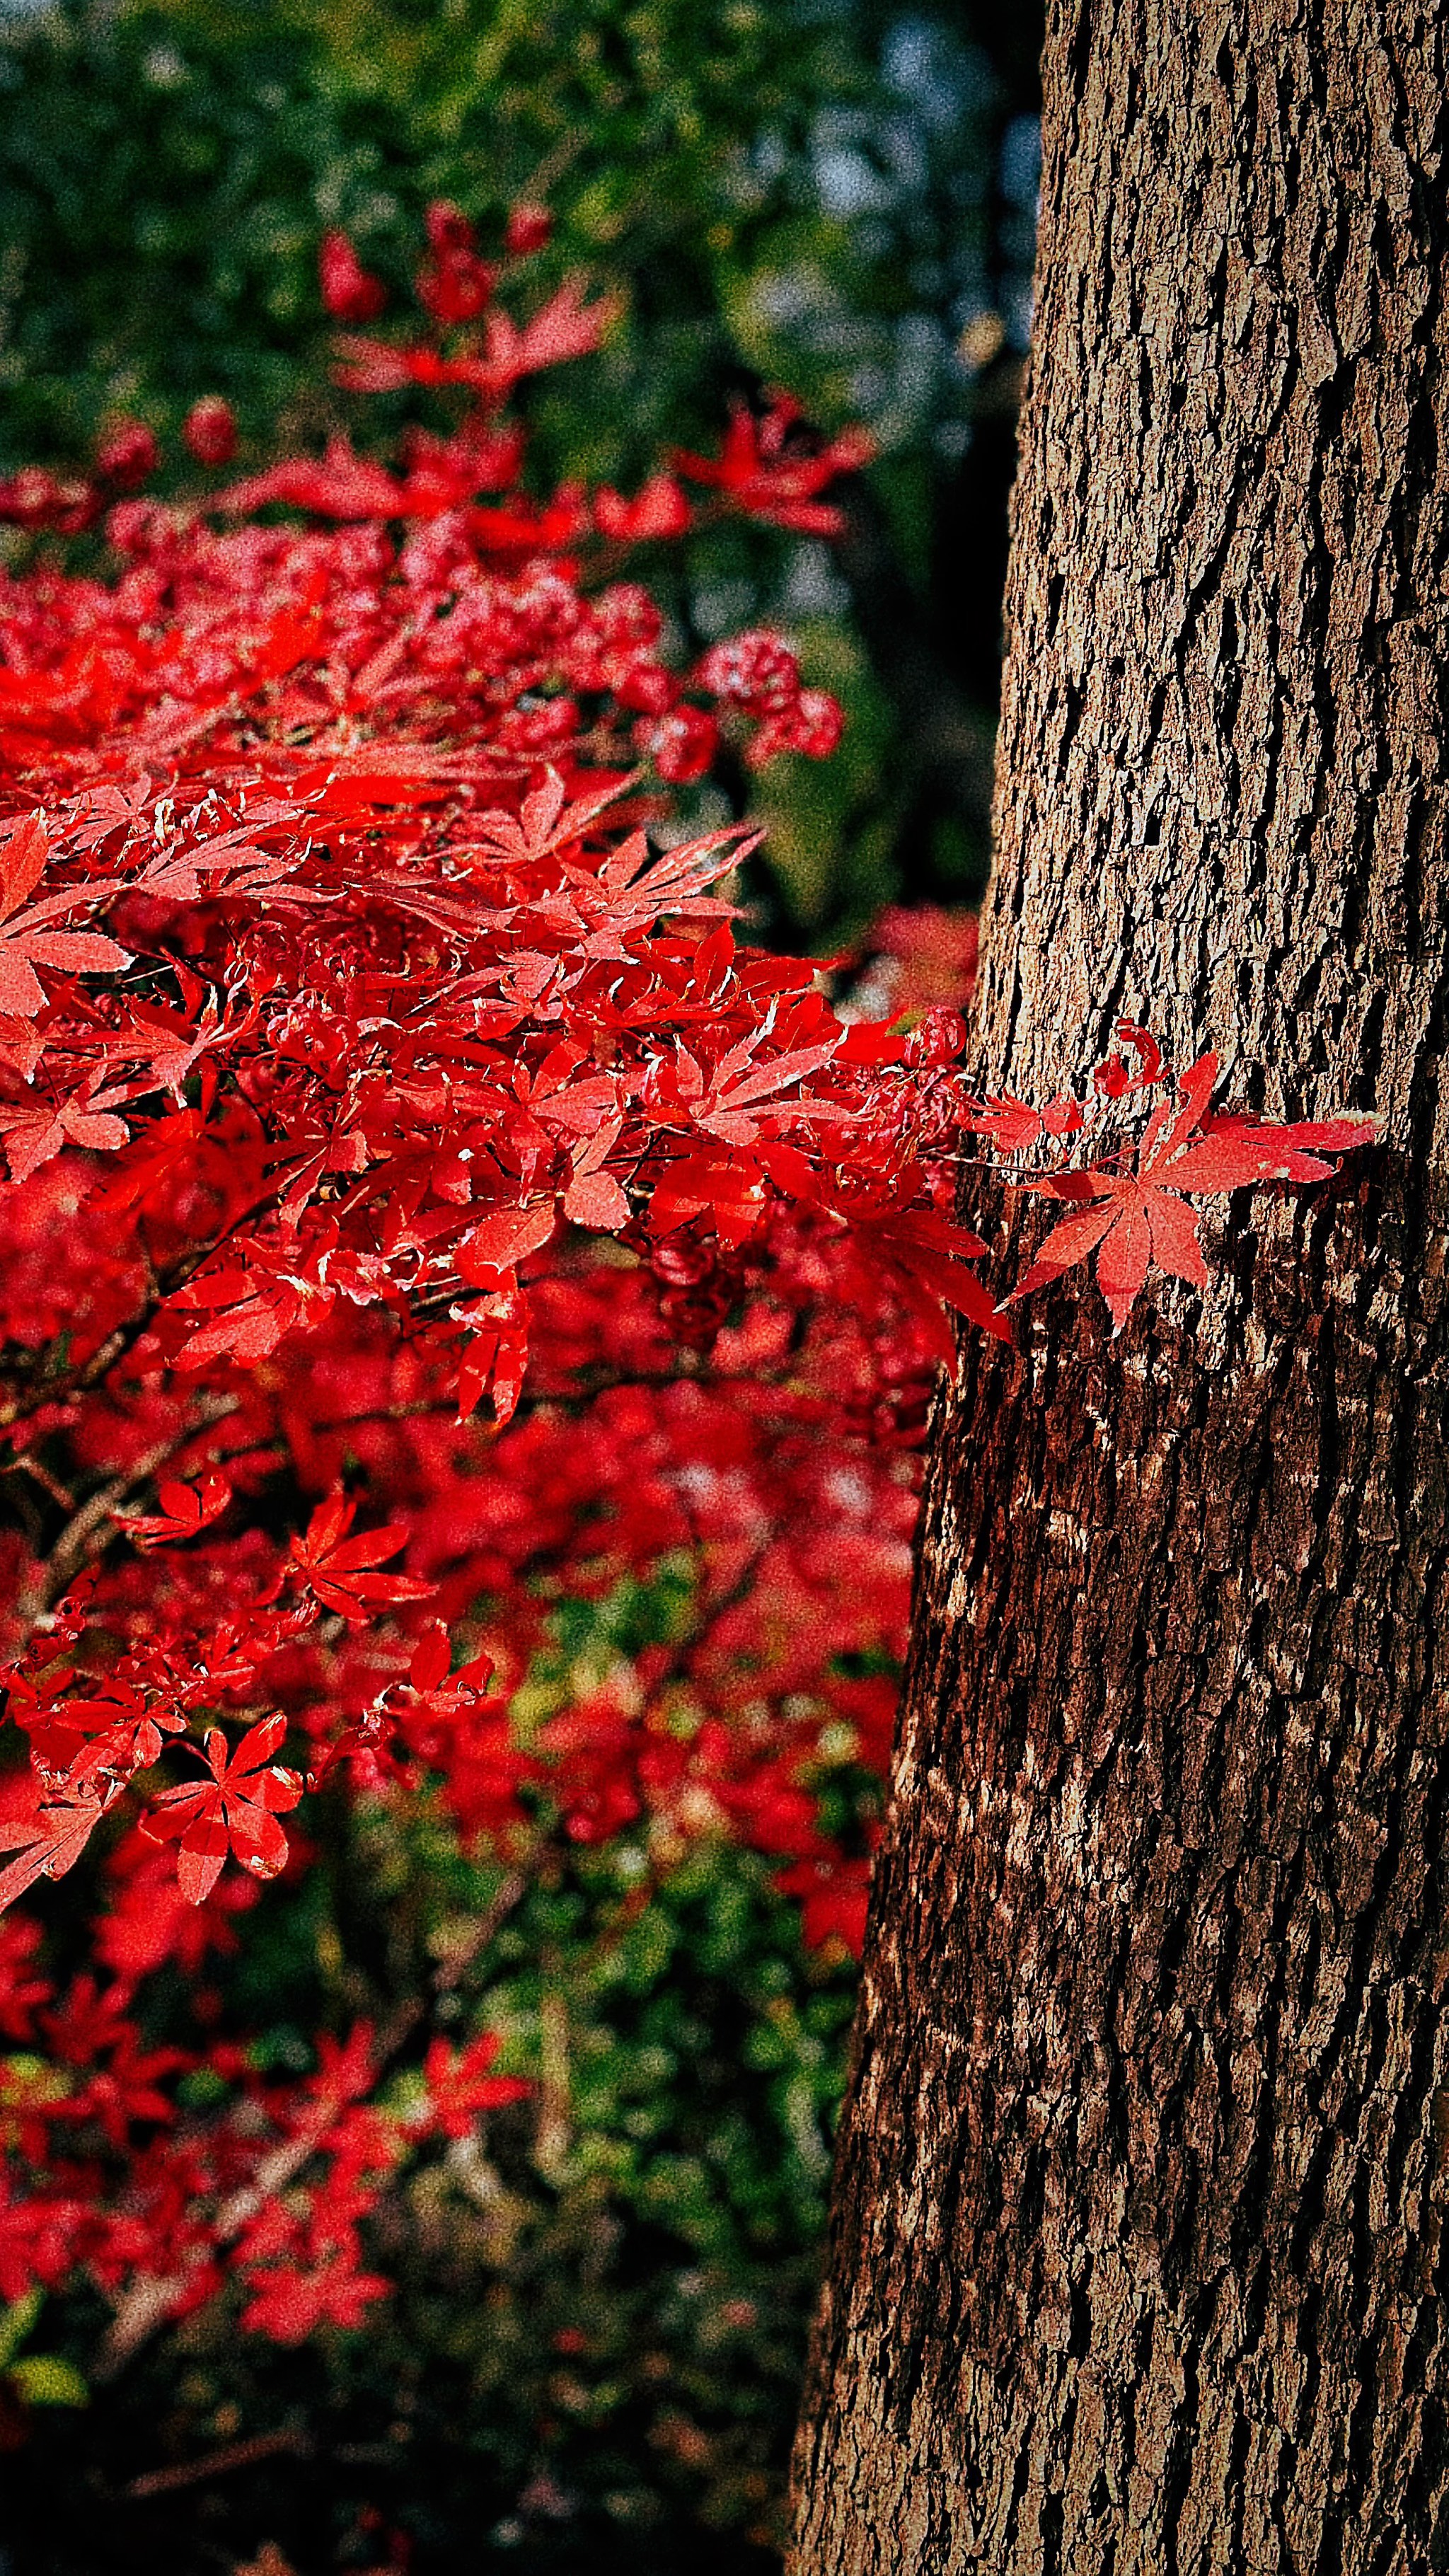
x=1137, y=2260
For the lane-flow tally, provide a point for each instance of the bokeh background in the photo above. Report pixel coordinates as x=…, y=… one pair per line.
x=837, y=197
x=833, y=195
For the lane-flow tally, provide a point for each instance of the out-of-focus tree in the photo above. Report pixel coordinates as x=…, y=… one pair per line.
x=833, y=194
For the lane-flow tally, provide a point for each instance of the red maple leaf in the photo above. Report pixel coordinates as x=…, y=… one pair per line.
x=565, y=327
x=49, y=1841
x=757, y=472
x=290, y=2304
x=460, y=2086
x=1133, y=1219
x=338, y=1568
x=493, y=1363
x=185, y=1509
x=348, y=292
x=659, y=510
x=341, y=485
x=235, y=1811
x=595, y=1196
x=34, y=1133
x=25, y=941
x=499, y=1242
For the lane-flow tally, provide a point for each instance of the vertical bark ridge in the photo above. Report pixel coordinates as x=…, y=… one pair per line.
x=1138, y=2257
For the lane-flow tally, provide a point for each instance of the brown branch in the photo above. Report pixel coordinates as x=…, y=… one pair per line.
x=25, y=1465
x=89, y=1373
x=147, y=2303
x=81, y=1537
x=553, y=2130
x=215, y=2464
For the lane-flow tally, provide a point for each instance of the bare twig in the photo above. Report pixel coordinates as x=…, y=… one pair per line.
x=81, y=1536
x=215, y=2464
x=554, y=2128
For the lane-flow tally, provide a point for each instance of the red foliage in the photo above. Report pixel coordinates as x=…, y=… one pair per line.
x=529, y=227
x=210, y=431
x=127, y=455
x=770, y=469
x=348, y=292
x=431, y=1145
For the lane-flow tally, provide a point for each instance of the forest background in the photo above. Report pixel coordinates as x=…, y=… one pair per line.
x=836, y=199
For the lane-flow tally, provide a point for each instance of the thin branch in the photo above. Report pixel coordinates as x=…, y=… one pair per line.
x=147, y=2304
x=215, y=2464
x=81, y=1536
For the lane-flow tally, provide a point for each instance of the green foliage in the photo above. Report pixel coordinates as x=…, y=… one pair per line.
x=42, y=2379
x=34, y=2378
x=168, y=169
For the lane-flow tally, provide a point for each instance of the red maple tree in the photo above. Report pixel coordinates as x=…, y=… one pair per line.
x=394, y=1119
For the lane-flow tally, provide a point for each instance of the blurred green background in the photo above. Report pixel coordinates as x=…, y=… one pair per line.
x=835, y=195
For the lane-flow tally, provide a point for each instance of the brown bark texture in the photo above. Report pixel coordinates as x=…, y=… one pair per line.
x=1138, y=2260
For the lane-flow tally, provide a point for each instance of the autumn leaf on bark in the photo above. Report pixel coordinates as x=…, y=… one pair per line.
x=1133, y=1220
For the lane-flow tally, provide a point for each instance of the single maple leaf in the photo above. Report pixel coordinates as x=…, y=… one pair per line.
x=1138, y=1218
x=565, y=327
x=339, y=1569
x=289, y=2302
x=757, y=473
x=185, y=1509
x=25, y=941
x=235, y=1811
x=643, y=888
x=544, y=822
x=460, y=2085
x=594, y=1196
x=730, y=1188
x=34, y=1133
x=659, y=510
x=342, y=485
x=49, y=1842
x=500, y=1241
x=493, y=1363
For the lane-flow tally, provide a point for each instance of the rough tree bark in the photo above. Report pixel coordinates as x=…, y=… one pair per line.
x=1138, y=2260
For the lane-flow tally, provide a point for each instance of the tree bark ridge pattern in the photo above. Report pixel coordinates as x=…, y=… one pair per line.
x=1138, y=2256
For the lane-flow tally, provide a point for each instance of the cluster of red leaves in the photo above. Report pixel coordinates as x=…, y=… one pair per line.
x=104, y=2174
x=356, y=1033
